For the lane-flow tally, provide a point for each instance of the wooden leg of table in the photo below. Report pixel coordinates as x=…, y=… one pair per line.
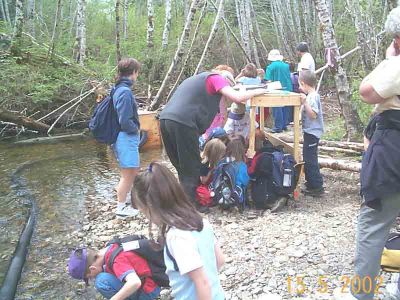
x=262, y=118
x=296, y=146
x=252, y=138
x=296, y=133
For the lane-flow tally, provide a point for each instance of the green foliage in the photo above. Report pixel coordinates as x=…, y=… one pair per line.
x=364, y=110
x=334, y=130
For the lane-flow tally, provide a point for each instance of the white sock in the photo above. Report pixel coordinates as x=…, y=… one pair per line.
x=121, y=205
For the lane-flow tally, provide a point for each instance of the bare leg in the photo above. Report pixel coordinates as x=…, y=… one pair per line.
x=126, y=183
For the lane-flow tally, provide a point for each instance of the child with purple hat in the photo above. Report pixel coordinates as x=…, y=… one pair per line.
x=127, y=279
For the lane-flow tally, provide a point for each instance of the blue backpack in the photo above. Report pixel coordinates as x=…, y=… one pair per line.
x=104, y=123
x=223, y=188
x=283, y=173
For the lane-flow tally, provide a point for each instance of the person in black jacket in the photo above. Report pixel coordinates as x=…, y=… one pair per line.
x=380, y=172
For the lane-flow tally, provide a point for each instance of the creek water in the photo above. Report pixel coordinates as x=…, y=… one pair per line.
x=61, y=177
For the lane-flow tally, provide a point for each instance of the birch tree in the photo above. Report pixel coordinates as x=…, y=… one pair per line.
x=178, y=54
x=352, y=120
x=55, y=27
x=167, y=24
x=81, y=32
x=214, y=29
x=117, y=31
x=18, y=28
x=150, y=24
x=125, y=19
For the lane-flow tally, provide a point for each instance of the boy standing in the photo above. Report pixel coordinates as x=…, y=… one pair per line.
x=127, y=279
x=313, y=128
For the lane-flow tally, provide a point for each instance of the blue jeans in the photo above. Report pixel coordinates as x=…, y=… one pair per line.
x=280, y=118
x=310, y=156
x=289, y=114
x=108, y=285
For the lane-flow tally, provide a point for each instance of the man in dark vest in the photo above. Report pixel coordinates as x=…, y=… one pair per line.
x=187, y=115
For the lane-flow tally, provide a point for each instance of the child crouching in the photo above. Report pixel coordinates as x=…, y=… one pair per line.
x=127, y=279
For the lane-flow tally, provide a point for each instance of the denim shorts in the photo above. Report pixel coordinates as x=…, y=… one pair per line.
x=126, y=150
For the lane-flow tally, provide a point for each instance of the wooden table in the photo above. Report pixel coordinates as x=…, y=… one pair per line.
x=277, y=99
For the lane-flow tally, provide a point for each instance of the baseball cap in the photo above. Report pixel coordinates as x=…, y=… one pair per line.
x=77, y=264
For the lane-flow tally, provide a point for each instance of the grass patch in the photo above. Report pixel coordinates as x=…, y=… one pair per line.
x=334, y=130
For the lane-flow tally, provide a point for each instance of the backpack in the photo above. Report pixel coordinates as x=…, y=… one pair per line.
x=294, y=77
x=224, y=190
x=390, y=261
x=274, y=176
x=145, y=249
x=104, y=123
x=203, y=195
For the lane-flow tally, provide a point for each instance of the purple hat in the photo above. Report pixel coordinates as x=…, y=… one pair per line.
x=77, y=264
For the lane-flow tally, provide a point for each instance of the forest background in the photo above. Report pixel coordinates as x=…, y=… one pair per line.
x=56, y=56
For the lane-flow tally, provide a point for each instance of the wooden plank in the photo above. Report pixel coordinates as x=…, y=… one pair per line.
x=276, y=100
x=149, y=123
x=296, y=128
x=276, y=141
x=252, y=136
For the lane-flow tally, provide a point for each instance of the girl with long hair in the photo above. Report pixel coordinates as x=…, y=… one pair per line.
x=191, y=252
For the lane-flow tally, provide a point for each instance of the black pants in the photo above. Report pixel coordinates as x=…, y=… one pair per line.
x=310, y=155
x=182, y=146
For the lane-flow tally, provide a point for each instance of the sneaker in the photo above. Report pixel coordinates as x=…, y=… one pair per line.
x=279, y=204
x=313, y=192
x=126, y=211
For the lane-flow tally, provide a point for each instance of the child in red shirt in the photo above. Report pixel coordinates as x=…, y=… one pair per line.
x=127, y=279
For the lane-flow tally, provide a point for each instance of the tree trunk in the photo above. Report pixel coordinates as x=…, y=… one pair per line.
x=335, y=164
x=19, y=119
x=178, y=54
x=6, y=11
x=16, y=43
x=31, y=17
x=167, y=24
x=3, y=14
x=150, y=24
x=117, y=31
x=125, y=19
x=188, y=55
x=40, y=9
x=54, y=35
x=214, y=29
x=80, y=32
x=352, y=120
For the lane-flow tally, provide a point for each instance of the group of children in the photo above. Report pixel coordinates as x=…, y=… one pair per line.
x=192, y=255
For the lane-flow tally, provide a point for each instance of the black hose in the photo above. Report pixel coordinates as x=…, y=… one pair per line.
x=13, y=275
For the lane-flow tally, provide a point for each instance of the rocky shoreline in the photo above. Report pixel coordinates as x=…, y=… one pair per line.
x=306, y=248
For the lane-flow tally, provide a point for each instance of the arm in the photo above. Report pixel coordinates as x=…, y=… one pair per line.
x=307, y=107
x=202, y=284
x=240, y=96
x=124, y=109
x=369, y=95
x=205, y=179
x=219, y=256
x=132, y=284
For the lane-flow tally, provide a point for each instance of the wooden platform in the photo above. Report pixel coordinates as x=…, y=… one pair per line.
x=149, y=123
x=278, y=99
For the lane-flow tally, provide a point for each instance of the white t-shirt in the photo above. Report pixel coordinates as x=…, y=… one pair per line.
x=306, y=62
x=385, y=79
x=241, y=126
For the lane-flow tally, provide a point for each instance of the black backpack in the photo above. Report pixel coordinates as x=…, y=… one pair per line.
x=224, y=190
x=274, y=176
x=147, y=250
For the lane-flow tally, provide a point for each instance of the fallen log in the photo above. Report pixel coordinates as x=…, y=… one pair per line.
x=53, y=139
x=335, y=164
x=359, y=147
x=339, y=150
x=20, y=119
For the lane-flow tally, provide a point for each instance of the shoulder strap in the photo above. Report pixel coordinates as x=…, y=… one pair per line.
x=171, y=258
x=113, y=255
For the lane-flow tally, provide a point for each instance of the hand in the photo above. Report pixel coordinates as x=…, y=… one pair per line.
x=393, y=49
x=303, y=98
